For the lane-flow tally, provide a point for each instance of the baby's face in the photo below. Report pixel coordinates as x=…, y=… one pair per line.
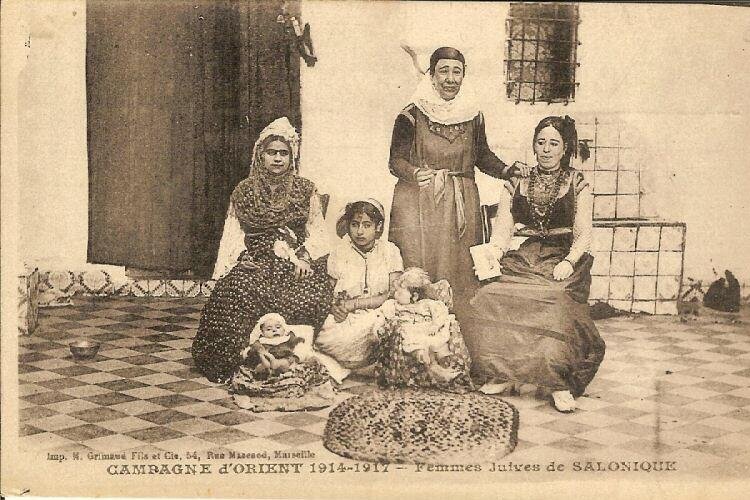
x=271, y=328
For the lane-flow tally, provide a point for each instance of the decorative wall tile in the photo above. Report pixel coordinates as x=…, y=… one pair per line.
x=605, y=158
x=157, y=288
x=601, y=239
x=628, y=206
x=670, y=263
x=644, y=306
x=646, y=263
x=623, y=264
x=604, y=207
x=624, y=240
x=666, y=307
x=668, y=288
x=207, y=287
x=123, y=288
x=671, y=238
x=628, y=183
x=63, y=281
x=174, y=288
x=601, y=264
x=605, y=182
x=192, y=288
x=44, y=283
x=139, y=288
x=648, y=238
x=644, y=288
x=599, y=288
x=96, y=282
x=621, y=288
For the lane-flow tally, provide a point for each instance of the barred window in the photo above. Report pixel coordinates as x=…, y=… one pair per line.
x=540, y=61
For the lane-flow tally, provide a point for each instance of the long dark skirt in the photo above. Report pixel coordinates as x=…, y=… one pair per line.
x=242, y=296
x=525, y=327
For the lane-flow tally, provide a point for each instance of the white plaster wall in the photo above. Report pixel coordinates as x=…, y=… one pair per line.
x=676, y=75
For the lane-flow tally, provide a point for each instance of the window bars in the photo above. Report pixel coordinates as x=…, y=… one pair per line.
x=540, y=60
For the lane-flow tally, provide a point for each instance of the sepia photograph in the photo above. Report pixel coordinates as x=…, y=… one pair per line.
x=352, y=249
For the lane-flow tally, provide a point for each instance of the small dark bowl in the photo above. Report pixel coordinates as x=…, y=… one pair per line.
x=84, y=349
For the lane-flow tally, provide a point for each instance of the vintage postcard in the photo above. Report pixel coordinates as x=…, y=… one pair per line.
x=348, y=249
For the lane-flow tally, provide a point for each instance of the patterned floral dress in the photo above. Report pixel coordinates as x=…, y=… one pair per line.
x=260, y=283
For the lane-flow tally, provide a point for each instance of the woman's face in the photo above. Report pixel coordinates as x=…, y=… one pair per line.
x=549, y=148
x=363, y=231
x=276, y=157
x=449, y=73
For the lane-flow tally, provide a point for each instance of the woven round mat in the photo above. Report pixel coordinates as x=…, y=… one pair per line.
x=422, y=426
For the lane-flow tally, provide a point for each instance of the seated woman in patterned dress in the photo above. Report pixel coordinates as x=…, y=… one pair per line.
x=263, y=266
x=532, y=324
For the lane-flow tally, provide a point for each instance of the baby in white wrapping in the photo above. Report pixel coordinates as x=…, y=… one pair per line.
x=424, y=323
x=275, y=347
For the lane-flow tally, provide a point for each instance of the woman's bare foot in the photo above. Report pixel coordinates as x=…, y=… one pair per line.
x=563, y=401
x=441, y=374
x=495, y=388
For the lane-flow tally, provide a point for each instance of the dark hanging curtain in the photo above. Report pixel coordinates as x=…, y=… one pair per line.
x=177, y=93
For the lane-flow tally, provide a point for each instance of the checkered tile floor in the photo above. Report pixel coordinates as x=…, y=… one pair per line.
x=667, y=390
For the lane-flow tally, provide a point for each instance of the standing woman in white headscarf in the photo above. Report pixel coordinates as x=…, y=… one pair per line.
x=438, y=140
x=272, y=236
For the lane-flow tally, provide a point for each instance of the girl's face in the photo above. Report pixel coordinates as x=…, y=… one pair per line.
x=363, y=231
x=271, y=328
x=276, y=157
x=549, y=148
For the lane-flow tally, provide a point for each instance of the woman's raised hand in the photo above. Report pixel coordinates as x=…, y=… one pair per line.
x=563, y=270
x=523, y=170
x=302, y=270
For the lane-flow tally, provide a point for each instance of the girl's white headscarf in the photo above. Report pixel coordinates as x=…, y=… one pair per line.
x=255, y=334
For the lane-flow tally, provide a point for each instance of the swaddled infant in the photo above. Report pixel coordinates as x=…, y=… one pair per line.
x=425, y=323
x=275, y=349
x=272, y=347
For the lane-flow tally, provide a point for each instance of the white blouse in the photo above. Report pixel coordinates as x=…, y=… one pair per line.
x=363, y=274
x=233, y=239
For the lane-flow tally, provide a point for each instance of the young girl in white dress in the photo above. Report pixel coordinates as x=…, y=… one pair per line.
x=363, y=267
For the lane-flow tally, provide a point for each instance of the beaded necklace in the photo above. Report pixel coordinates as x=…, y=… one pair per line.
x=543, y=197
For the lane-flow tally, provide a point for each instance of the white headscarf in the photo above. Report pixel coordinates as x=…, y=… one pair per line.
x=461, y=108
x=281, y=127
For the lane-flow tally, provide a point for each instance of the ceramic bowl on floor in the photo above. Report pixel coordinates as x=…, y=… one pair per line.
x=84, y=349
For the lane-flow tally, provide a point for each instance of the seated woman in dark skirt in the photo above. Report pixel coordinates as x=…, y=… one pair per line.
x=532, y=324
x=262, y=266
